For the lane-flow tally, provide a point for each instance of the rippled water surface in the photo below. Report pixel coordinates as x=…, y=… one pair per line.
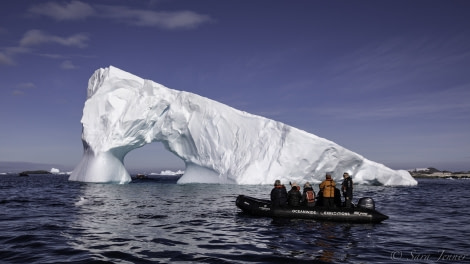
x=47, y=219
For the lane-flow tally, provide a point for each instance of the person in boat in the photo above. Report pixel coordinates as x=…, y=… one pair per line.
x=308, y=195
x=337, y=199
x=294, y=196
x=319, y=198
x=278, y=195
x=328, y=189
x=347, y=188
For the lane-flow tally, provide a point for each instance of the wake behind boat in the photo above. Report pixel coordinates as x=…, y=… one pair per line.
x=364, y=212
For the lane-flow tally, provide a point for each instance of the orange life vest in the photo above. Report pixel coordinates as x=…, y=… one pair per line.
x=310, y=195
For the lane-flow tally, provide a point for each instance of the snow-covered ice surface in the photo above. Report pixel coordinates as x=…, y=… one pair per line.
x=218, y=144
x=168, y=173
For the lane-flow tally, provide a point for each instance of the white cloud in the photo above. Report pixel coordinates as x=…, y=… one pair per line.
x=166, y=20
x=37, y=37
x=66, y=11
x=18, y=93
x=67, y=65
x=6, y=59
x=52, y=56
x=7, y=54
x=76, y=10
x=26, y=85
x=22, y=88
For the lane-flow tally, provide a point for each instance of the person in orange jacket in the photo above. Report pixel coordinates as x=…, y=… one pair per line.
x=328, y=189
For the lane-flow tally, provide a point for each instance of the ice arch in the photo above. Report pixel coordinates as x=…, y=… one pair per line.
x=217, y=143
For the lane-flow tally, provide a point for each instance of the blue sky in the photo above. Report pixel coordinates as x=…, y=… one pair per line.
x=389, y=80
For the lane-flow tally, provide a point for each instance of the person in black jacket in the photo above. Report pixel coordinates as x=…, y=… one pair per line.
x=347, y=188
x=294, y=196
x=278, y=195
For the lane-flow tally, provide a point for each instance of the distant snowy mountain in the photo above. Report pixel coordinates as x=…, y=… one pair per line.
x=217, y=143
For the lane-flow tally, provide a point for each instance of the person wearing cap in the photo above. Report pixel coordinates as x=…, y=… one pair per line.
x=347, y=188
x=294, y=196
x=308, y=195
x=327, y=187
x=278, y=195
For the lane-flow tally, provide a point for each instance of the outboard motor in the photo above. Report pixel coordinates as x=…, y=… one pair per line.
x=366, y=202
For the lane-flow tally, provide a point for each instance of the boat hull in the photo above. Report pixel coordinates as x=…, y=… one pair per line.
x=261, y=207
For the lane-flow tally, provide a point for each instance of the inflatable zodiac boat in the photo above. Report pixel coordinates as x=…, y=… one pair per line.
x=364, y=212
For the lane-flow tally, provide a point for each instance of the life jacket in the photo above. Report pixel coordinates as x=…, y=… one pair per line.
x=310, y=195
x=328, y=188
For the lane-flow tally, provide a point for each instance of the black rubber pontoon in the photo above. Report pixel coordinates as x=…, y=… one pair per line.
x=364, y=212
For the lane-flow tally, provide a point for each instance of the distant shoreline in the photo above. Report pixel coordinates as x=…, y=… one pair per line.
x=440, y=175
x=27, y=173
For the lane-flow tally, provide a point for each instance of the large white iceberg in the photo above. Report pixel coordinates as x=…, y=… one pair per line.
x=218, y=144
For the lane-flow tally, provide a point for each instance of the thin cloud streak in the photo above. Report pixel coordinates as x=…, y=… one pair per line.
x=22, y=88
x=165, y=20
x=8, y=54
x=408, y=79
x=74, y=10
x=77, y=10
x=37, y=37
x=395, y=63
x=68, y=65
x=452, y=103
x=6, y=59
x=26, y=85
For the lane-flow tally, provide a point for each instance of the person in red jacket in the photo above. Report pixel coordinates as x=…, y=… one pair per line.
x=328, y=189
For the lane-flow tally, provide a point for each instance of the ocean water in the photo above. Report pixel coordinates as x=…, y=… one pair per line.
x=47, y=219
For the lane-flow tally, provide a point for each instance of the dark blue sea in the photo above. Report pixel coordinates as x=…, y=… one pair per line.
x=47, y=219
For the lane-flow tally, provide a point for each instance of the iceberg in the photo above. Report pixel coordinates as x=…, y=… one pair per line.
x=218, y=144
x=169, y=173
